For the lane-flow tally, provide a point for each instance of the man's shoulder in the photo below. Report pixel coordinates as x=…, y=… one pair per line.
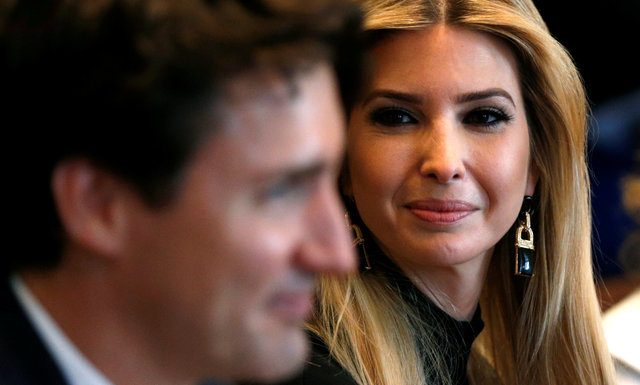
x=23, y=358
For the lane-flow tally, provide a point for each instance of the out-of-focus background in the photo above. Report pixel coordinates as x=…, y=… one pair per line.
x=604, y=39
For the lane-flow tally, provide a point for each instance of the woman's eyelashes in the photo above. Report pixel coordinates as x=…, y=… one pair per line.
x=487, y=117
x=392, y=117
x=481, y=117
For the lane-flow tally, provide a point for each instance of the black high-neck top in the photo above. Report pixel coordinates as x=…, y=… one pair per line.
x=452, y=337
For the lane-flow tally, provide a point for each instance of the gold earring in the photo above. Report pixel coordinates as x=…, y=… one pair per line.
x=525, y=249
x=358, y=240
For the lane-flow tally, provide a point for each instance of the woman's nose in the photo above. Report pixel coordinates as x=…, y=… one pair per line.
x=442, y=153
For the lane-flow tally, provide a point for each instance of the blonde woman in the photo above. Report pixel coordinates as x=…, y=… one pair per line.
x=467, y=187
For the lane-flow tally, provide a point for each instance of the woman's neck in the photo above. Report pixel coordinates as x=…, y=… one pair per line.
x=454, y=289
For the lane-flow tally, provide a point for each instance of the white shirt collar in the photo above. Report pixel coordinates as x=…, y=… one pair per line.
x=76, y=369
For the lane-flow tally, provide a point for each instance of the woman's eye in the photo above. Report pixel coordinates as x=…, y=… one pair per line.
x=392, y=116
x=486, y=117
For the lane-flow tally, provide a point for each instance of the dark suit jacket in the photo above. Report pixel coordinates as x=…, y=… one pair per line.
x=321, y=369
x=24, y=360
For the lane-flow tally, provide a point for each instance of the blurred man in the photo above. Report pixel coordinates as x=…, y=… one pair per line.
x=170, y=192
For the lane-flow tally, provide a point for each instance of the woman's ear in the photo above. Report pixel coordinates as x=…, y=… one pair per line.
x=89, y=203
x=344, y=182
x=532, y=179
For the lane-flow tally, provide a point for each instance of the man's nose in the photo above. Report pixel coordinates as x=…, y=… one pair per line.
x=327, y=247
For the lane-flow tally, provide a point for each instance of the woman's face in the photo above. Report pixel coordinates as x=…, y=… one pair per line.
x=438, y=149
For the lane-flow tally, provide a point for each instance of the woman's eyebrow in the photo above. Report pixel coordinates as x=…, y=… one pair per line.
x=388, y=94
x=485, y=94
x=417, y=99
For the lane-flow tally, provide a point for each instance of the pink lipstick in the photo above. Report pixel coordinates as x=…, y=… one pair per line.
x=438, y=211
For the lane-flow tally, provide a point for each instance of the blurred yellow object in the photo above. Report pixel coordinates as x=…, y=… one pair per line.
x=631, y=195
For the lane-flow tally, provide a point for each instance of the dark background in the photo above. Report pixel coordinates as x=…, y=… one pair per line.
x=603, y=37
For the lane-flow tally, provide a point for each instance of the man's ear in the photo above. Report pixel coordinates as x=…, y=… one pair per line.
x=90, y=205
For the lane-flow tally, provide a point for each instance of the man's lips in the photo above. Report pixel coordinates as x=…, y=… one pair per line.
x=293, y=306
x=439, y=211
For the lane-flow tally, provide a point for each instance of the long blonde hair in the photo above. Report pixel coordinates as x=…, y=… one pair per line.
x=543, y=331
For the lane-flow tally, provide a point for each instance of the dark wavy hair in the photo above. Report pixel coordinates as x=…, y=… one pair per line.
x=120, y=82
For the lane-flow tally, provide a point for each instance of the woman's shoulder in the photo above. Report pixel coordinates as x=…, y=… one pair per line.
x=321, y=369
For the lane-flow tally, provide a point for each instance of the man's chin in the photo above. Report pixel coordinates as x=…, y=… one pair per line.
x=285, y=359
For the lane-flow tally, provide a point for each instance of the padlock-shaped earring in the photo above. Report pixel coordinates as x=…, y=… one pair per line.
x=525, y=249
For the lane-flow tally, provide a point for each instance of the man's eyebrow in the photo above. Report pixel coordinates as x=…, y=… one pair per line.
x=485, y=94
x=306, y=171
x=298, y=173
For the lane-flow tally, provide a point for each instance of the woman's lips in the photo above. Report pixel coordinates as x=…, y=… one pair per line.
x=438, y=211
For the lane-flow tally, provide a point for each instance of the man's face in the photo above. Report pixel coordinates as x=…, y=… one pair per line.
x=223, y=277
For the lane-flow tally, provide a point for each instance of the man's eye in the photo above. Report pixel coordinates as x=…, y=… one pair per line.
x=392, y=116
x=279, y=189
x=289, y=188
